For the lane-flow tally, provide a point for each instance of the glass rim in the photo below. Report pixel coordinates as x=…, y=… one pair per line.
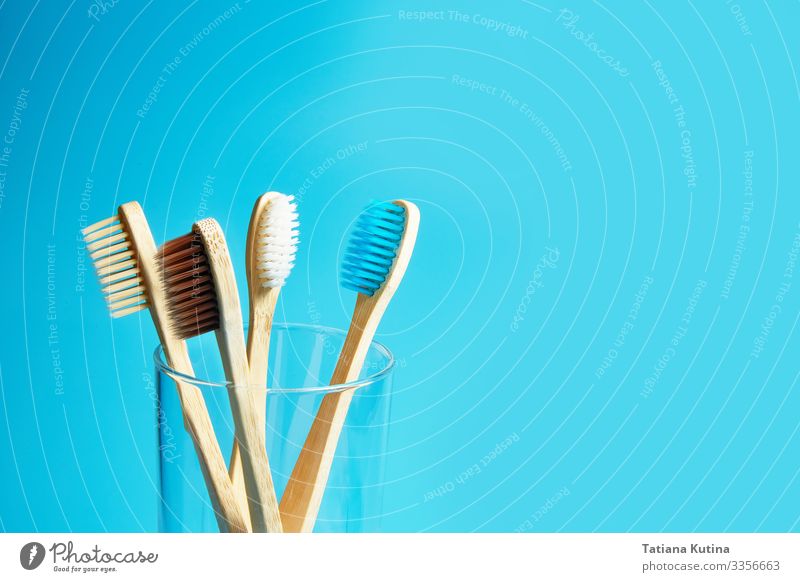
x=162, y=366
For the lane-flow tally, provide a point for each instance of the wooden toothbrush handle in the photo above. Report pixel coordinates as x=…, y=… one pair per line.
x=258, y=335
x=212, y=464
x=303, y=495
x=261, y=498
x=236, y=475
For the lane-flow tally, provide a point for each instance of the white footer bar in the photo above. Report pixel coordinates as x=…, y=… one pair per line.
x=414, y=557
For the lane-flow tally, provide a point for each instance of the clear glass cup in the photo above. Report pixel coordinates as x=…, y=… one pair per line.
x=301, y=362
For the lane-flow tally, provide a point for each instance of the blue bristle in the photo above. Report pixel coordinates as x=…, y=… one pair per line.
x=372, y=247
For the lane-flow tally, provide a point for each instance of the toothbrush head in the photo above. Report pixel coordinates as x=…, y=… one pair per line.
x=272, y=240
x=188, y=285
x=380, y=247
x=111, y=247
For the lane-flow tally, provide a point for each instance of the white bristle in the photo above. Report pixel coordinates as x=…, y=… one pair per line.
x=277, y=241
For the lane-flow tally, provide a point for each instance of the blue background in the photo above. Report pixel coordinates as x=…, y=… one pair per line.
x=569, y=219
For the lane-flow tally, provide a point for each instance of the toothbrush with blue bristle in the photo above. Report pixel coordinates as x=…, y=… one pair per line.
x=374, y=263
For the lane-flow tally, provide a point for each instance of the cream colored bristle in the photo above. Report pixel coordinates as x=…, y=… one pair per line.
x=112, y=259
x=118, y=276
x=117, y=304
x=102, y=233
x=100, y=224
x=122, y=266
x=126, y=284
x=122, y=293
x=107, y=251
x=102, y=245
x=124, y=312
x=116, y=265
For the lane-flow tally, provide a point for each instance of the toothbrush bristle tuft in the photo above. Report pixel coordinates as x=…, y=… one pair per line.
x=114, y=257
x=188, y=286
x=372, y=247
x=276, y=246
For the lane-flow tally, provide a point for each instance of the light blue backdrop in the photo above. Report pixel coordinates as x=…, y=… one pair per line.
x=598, y=329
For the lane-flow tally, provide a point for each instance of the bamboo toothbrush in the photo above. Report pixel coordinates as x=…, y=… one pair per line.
x=373, y=266
x=271, y=249
x=123, y=251
x=201, y=288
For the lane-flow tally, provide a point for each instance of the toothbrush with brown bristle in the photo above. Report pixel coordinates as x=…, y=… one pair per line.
x=200, y=287
x=271, y=249
x=373, y=266
x=124, y=254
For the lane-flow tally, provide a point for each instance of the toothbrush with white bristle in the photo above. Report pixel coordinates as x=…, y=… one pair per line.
x=271, y=248
x=373, y=266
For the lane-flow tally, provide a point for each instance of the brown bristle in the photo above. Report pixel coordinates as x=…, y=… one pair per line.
x=116, y=264
x=188, y=286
